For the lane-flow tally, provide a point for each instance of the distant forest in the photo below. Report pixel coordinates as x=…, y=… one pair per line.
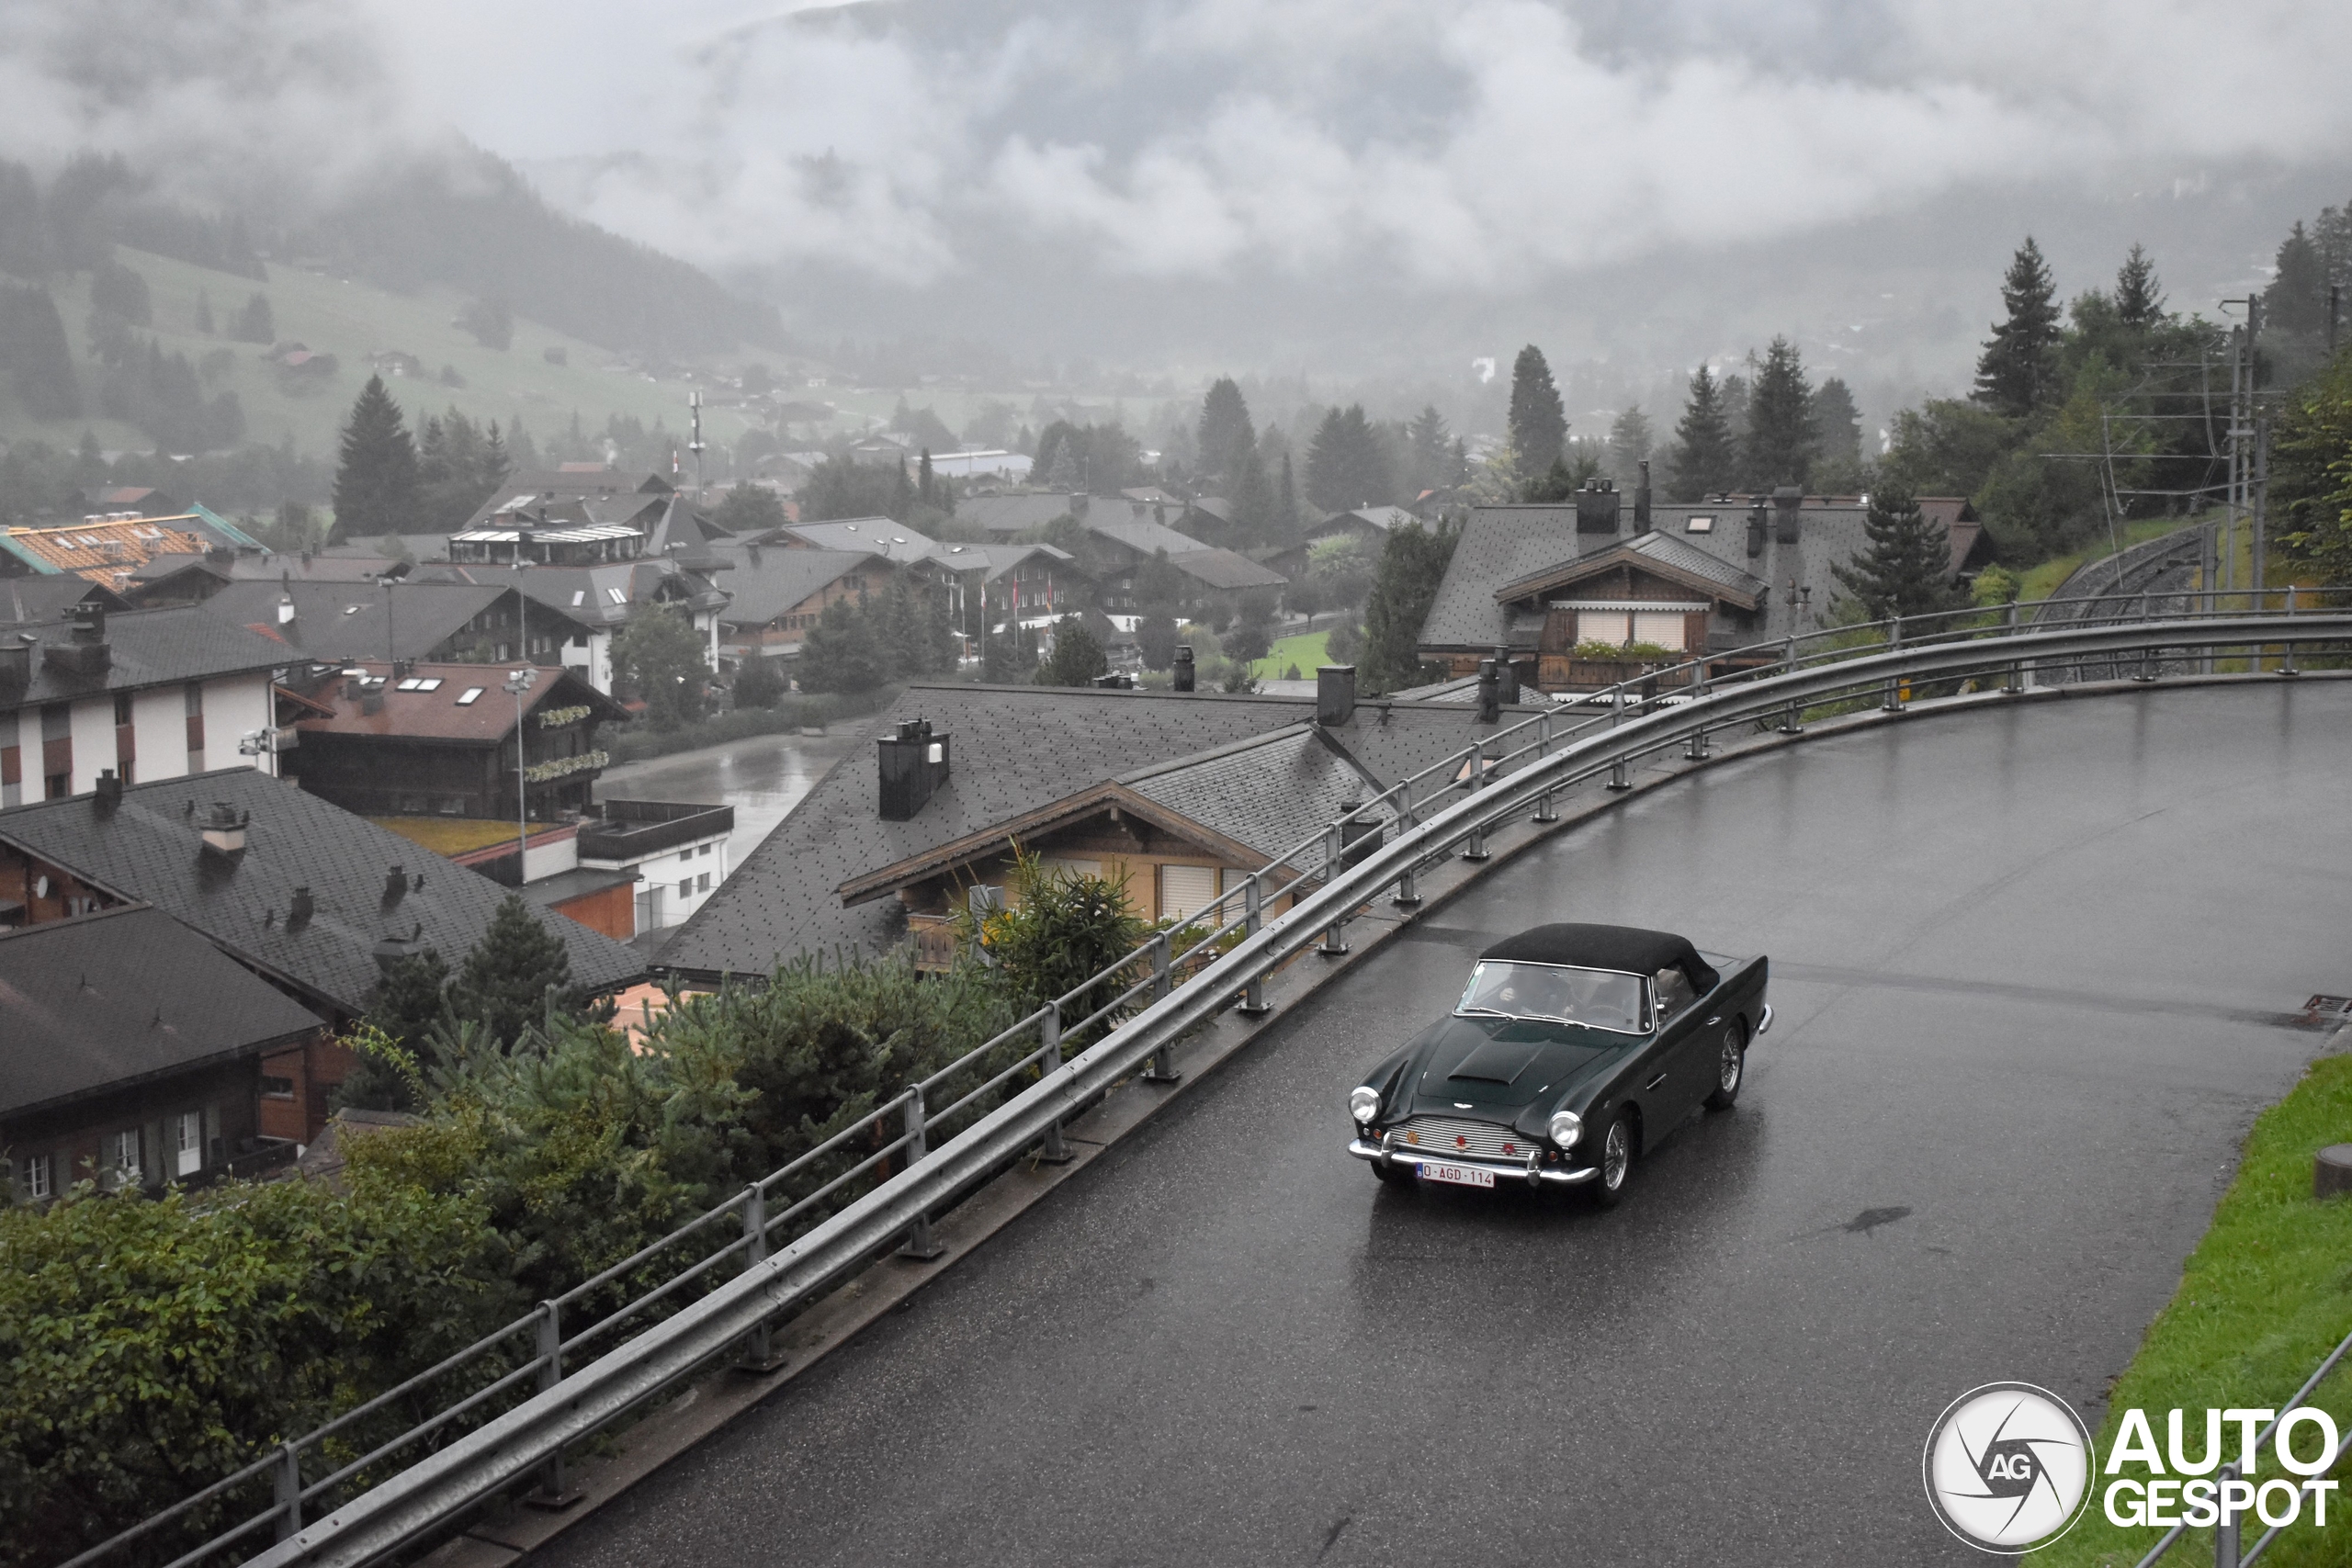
x=476, y=227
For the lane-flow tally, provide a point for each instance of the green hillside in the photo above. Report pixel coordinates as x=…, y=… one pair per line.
x=352, y=320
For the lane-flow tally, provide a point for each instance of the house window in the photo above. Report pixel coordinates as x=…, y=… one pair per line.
x=702, y=882
x=121, y=708
x=276, y=1088
x=57, y=786
x=616, y=596
x=187, y=1143
x=119, y=1157
x=36, y=1177
x=192, y=699
x=1185, y=889
x=471, y=695
x=1699, y=525
x=686, y=887
x=1661, y=631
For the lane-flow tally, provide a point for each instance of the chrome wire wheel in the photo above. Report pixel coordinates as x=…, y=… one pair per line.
x=1616, y=1155
x=1727, y=1071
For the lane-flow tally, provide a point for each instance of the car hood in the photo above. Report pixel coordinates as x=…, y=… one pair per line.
x=1496, y=1066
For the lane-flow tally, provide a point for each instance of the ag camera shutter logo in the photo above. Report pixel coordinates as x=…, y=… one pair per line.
x=2008, y=1467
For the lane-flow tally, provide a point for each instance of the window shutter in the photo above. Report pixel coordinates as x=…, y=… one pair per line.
x=1185, y=889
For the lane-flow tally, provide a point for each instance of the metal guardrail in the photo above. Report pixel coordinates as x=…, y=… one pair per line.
x=2226, y=1535
x=1175, y=983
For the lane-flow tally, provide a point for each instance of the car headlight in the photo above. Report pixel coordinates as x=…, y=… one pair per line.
x=1566, y=1128
x=1363, y=1104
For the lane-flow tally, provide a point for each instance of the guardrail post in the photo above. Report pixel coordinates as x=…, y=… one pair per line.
x=759, y=1354
x=2287, y=664
x=1543, y=808
x=1789, y=724
x=1409, y=884
x=286, y=1485
x=2226, y=1533
x=552, y=1492
x=1695, y=749
x=2148, y=650
x=1890, y=700
x=1474, y=847
x=2015, y=684
x=919, y=1244
x=1253, y=995
x=1049, y=1030
x=1161, y=1068
x=1335, y=942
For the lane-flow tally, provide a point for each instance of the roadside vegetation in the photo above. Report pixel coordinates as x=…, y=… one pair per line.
x=149, y=1347
x=2262, y=1300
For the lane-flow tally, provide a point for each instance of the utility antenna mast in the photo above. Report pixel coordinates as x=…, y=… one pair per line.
x=693, y=401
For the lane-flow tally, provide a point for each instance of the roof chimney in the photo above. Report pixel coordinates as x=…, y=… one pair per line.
x=914, y=765
x=16, y=662
x=1335, y=694
x=1490, y=695
x=1595, y=509
x=109, y=795
x=395, y=885
x=1788, y=516
x=1506, y=676
x=224, y=829
x=1756, y=519
x=1182, y=679
x=90, y=622
x=284, y=609
x=1642, y=501
x=85, y=651
x=300, y=915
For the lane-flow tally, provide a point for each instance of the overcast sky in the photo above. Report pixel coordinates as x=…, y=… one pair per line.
x=1362, y=183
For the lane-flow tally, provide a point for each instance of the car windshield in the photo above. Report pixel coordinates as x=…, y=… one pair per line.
x=1599, y=998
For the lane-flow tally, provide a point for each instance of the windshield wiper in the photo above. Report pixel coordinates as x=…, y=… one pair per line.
x=1482, y=1013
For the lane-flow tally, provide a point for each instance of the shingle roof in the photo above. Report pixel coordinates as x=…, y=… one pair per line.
x=441, y=714
x=1143, y=535
x=1225, y=568
x=1664, y=549
x=584, y=594
x=1001, y=558
x=117, y=998
x=1382, y=518
x=341, y=621
x=632, y=492
x=145, y=648
x=1015, y=513
x=149, y=848
x=49, y=598
x=895, y=541
x=1016, y=749
x=1497, y=545
x=1269, y=795
x=767, y=582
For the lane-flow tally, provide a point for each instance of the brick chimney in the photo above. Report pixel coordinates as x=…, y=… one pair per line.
x=1335, y=694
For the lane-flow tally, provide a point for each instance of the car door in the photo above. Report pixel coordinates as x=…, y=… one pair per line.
x=1652, y=1079
x=1687, y=1044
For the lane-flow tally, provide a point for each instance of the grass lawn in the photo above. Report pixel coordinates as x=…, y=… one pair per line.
x=1306, y=650
x=2041, y=582
x=2263, y=1299
x=449, y=835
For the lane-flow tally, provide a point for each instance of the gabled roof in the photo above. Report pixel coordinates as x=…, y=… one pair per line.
x=1225, y=568
x=878, y=536
x=1381, y=518
x=429, y=702
x=49, y=598
x=120, y=997
x=1018, y=750
x=1659, y=555
x=770, y=581
x=591, y=596
x=1004, y=514
x=1141, y=535
x=1497, y=545
x=339, y=622
x=998, y=559
x=535, y=490
x=149, y=848
x=145, y=648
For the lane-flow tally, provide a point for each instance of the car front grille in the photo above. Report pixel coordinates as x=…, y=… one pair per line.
x=1455, y=1135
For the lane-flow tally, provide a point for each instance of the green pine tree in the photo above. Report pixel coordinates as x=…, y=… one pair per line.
x=515, y=975
x=1780, y=420
x=749, y=509
x=2139, y=294
x=1905, y=566
x=842, y=653
x=1077, y=658
x=2016, y=376
x=1705, y=460
x=377, y=488
x=662, y=659
x=1288, y=525
x=1412, y=562
x=410, y=1001
x=1539, y=424
x=1226, y=435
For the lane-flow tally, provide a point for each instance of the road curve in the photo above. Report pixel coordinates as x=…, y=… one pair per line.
x=2030, y=970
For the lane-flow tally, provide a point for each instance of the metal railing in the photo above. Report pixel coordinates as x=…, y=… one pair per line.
x=2228, y=1530
x=1019, y=1098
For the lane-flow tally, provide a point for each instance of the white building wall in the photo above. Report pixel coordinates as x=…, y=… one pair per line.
x=13, y=728
x=93, y=740
x=159, y=733
x=234, y=707
x=675, y=884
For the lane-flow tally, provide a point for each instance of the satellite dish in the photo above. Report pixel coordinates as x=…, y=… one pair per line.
x=41, y=886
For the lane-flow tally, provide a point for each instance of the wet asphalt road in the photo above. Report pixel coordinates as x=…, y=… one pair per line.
x=2028, y=973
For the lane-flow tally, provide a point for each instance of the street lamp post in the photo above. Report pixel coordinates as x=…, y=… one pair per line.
x=520, y=682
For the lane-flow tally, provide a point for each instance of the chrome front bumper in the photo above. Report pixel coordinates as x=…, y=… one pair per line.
x=1534, y=1175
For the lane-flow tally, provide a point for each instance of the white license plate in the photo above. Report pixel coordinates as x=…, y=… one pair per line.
x=1460, y=1175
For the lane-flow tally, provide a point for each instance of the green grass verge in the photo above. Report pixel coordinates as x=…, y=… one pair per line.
x=1306, y=650
x=2263, y=1299
x=2042, y=581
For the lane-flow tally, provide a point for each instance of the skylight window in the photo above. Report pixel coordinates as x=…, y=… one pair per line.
x=420, y=684
x=578, y=596
x=468, y=697
x=616, y=596
x=411, y=684
x=1699, y=525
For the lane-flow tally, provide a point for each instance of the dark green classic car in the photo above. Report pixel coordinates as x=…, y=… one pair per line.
x=1571, y=1045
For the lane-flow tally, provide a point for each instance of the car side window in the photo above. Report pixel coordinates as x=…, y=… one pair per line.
x=1674, y=992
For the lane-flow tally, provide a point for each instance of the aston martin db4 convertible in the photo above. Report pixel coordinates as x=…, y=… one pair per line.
x=1571, y=1045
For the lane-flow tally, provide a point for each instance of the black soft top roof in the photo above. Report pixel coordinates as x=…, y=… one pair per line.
x=1628, y=948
